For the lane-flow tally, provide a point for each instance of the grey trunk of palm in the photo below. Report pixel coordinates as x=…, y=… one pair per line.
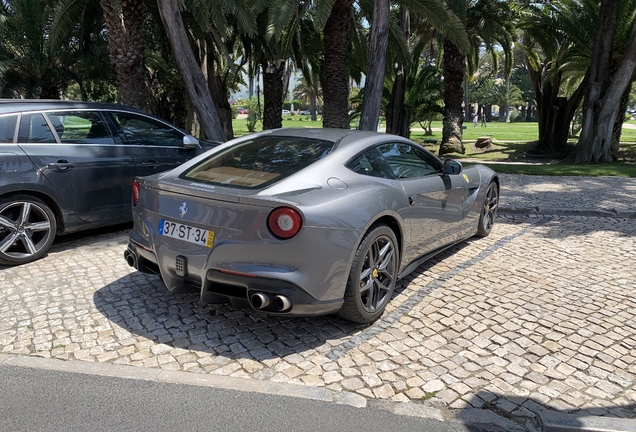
x=124, y=31
x=335, y=72
x=454, y=65
x=272, y=93
x=618, y=123
x=602, y=101
x=398, y=114
x=190, y=71
x=554, y=112
x=378, y=44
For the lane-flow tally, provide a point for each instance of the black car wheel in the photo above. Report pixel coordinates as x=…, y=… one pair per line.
x=489, y=210
x=372, y=277
x=27, y=229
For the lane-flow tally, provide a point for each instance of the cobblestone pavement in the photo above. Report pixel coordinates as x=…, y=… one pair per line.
x=539, y=315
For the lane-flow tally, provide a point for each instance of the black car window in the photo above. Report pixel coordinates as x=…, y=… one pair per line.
x=259, y=162
x=7, y=128
x=81, y=127
x=145, y=131
x=38, y=129
x=395, y=161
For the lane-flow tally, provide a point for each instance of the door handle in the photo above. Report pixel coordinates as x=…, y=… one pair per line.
x=61, y=165
x=150, y=163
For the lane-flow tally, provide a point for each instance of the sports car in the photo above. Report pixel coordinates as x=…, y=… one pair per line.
x=305, y=222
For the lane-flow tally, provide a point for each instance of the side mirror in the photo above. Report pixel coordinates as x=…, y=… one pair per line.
x=190, y=142
x=451, y=166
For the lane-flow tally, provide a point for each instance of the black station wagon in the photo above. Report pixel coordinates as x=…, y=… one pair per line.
x=69, y=166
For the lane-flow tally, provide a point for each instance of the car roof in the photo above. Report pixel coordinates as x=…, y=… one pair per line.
x=335, y=135
x=19, y=105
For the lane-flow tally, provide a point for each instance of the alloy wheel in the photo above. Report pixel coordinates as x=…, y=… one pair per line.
x=378, y=274
x=491, y=204
x=25, y=230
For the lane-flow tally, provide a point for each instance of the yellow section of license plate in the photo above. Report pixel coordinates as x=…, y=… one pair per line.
x=210, y=241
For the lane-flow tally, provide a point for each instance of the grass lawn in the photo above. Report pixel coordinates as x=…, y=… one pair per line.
x=512, y=143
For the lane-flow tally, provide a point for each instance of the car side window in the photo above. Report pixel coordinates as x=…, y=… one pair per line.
x=35, y=129
x=147, y=132
x=407, y=161
x=81, y=127
x=372, y=163
x=395, y=161
x=7, y=128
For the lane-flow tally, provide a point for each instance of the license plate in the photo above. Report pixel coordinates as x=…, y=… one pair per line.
x=186, y=232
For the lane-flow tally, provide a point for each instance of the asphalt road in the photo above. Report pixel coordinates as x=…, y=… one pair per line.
x=39, y=400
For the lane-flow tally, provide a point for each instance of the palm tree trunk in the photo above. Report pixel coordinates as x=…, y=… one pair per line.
x=124, y=31
x=374, y=83
x=606, y=90
x=272, y=93
x=335, y=73
x=191, y=73
x=554, y=112
x=618, y=124
x=398, y=115
x=454, y=65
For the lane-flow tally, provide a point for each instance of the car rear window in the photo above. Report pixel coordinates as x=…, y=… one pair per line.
x=259, y=162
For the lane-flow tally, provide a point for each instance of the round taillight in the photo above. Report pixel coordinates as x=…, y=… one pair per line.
x=136, y=191
x=284, y=222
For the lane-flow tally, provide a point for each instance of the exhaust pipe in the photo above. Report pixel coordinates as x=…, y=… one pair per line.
x=131, y=258
x=259, y=300
x=282, y=303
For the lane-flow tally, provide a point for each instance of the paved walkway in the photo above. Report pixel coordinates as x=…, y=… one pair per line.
x=598, y=196
x=540, y=315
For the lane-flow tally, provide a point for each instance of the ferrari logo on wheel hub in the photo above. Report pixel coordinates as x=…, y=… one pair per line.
x=374, y=273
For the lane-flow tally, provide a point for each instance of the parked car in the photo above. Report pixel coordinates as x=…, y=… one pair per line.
x=305, y=222
x=68, y=166
x=305, y=112
x=286, y=112
x=242, y=110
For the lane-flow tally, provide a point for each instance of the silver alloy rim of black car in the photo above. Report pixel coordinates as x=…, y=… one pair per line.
x=490, y=207
x=25, y=229
x=377, y=275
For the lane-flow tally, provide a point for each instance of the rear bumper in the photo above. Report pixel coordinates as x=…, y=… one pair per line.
x=237, y=287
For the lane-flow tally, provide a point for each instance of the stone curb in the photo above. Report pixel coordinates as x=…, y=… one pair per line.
x=559, y=422
x=554, y=211
x=479, y=419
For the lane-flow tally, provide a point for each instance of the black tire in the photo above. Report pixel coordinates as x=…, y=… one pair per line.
x=372, y=277
x=27, y=229
x=488, y=210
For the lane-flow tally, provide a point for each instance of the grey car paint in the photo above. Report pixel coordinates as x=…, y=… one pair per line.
x=338, y=207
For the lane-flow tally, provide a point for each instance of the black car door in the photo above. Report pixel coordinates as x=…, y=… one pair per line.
x=156, y=146
x=77, y=153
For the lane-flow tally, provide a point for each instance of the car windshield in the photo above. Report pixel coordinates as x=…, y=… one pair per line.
x=259, y=162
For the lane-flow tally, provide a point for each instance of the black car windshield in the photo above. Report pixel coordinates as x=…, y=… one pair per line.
x=259, y=162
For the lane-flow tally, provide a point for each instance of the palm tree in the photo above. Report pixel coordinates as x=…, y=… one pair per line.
x=612, y=70
x=556, y=41
x=77, y=35
x=488, y=23
x=309, y=92
x=29, y=68
x=334, y=69
x=286, y=37
x=439, y=17
x=124, y=29
x=195, y=82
